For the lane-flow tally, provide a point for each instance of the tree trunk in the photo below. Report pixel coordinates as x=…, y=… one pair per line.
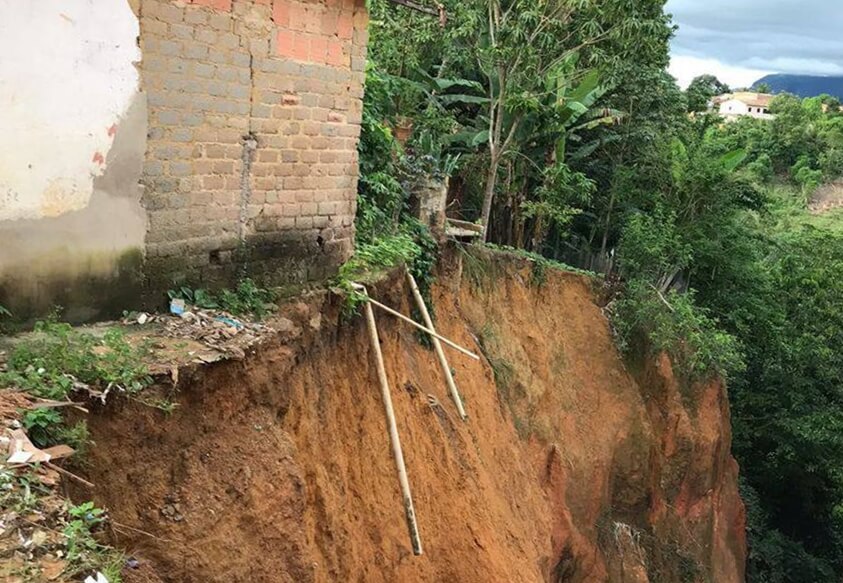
x=491, y=182
x=608, y=224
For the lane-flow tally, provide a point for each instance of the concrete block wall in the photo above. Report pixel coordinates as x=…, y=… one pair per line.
x=148, y=143
x=254, y=118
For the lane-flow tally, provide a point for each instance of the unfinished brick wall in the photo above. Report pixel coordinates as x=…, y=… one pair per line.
x=254, y=118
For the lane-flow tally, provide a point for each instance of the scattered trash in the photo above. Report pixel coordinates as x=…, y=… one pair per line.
x=21, y=450
x=230, y=321
x=137, y=318
x=217, y=330
x=178, y=307
x=51, y=569
x=19, y=457
x=132, y=563
x=99, y=579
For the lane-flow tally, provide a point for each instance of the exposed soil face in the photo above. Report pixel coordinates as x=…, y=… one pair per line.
x=278, y=468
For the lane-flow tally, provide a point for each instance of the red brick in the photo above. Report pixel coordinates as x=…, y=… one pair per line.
x=286, y=41
x=318, y=49
x=313, y=23
x=361, y=19
x=301, y=47
x=222, y=5
x=345, y=25
x=330, y=22
x=336, y=56
x=298, y=17
x=281, y=13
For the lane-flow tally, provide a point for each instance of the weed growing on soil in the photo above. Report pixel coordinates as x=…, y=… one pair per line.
x=84, y=552
x=46, y=427
x=480, y=266
x=56, y=532
x=502, y=369
x=247, y=299
x=56, y=360
x=541, y=264
x=412, y=245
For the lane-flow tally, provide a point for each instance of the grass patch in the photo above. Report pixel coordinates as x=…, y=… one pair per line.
x=57, y=360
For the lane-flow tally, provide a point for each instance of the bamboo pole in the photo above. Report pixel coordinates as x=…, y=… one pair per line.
x=394, y=439
x=440, y=353
x=412, y=322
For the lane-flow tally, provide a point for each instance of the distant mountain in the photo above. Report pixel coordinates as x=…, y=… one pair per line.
x=803, y=85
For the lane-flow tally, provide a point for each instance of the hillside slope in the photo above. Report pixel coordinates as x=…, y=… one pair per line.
x=277, y=468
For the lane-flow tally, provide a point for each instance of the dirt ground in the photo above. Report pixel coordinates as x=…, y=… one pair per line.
x=277, y=468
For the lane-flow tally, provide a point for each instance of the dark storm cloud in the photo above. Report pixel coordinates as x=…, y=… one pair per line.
x=787, y=36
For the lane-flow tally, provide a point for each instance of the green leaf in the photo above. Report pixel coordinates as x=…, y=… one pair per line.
x=445, y=84
x=733, y=159
x=587, y=86
x=470, y=138
x=462, y=98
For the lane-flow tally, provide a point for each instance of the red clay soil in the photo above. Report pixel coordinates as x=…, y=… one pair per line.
x=278, y=468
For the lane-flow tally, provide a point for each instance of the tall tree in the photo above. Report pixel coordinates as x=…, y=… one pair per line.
x=702, y=89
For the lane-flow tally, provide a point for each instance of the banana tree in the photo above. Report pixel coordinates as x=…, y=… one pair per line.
x=526, y=41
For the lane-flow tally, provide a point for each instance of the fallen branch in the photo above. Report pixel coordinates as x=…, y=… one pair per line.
x=70, y=475
x=119, y=526
x=45, y=404
x=417, y=7
x=663, y=299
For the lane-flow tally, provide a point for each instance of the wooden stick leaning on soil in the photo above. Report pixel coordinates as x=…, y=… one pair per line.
x=437, y=346
x=412, y=322
x=70, y=475
x=394, y=439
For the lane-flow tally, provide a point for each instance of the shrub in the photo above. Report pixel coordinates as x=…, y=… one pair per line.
x=247, y=299
x=674, y=324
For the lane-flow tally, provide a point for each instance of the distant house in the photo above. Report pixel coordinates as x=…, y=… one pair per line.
x=743, y=103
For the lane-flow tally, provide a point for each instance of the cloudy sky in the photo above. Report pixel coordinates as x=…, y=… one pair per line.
x=742, y=40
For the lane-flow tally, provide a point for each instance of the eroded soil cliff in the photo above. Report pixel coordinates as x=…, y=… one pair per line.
x=277, y=468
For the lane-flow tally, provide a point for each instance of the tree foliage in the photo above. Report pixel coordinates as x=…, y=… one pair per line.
x=702, y=89
x=563, y=132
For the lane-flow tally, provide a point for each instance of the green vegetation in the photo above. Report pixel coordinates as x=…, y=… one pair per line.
x=674, y=324
x=84, y=552
x=57, y=360
x=702, y=89
x=75, y=531
x=563, y=134
x=247, y=299
x=46, y=427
